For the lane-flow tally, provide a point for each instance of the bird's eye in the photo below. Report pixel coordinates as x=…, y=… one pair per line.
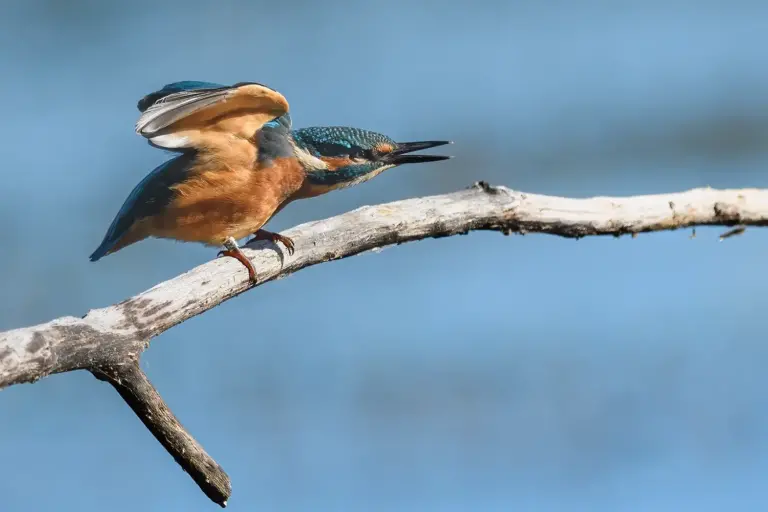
x=358, y=152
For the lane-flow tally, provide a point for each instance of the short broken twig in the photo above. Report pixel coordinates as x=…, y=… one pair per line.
x=737, y=230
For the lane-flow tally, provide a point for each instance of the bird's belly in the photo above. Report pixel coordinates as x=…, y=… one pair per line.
x=206, y=227
x=218, y=204
x=213, y=220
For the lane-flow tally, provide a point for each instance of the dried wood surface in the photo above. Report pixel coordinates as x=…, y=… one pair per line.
x=109, y=341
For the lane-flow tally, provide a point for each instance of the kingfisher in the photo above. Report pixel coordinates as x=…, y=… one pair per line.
x=239, y=162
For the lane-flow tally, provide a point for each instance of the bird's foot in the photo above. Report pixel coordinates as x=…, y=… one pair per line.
x=233, y=251
x=263, y=234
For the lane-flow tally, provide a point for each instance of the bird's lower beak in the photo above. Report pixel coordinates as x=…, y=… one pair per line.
x=401, y=154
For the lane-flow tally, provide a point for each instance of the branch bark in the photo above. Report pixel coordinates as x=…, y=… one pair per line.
x=134, y=387
x=109, y=341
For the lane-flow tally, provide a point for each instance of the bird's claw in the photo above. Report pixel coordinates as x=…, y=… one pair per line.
x=263, y=234
x=239, y=256
x=287, y=242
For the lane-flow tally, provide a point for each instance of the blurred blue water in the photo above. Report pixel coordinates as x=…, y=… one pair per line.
x=473, y=373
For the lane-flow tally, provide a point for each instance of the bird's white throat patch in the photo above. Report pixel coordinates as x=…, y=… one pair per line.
x=307, y=159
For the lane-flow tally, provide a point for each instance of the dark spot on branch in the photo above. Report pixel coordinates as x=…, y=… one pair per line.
x=6, y=352
x=162, y=316
x=134, y=304
x=152, y=311
x=136, y=312
x=727, y=213
x=440, y=229
x=389, y=238
x=38, y=342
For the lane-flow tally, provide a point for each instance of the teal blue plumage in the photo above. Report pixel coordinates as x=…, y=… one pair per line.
x=341, y=142
x=365, y=151
x=338, y=140
x=148, y=198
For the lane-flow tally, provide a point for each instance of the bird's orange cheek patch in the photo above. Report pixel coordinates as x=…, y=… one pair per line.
x=384, y=148
x=336, y=162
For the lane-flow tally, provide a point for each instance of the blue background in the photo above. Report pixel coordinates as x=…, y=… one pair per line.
x=472, y=373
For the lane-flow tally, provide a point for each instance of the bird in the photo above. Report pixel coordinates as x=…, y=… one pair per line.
x=238, y=163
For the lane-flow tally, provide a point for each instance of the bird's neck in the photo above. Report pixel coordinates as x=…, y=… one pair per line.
x=274, y=141
x=347, y=175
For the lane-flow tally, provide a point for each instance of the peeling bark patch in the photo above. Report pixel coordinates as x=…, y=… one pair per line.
x=38, y=342
x=87, y=347
x=140, y=315
x=65, y=348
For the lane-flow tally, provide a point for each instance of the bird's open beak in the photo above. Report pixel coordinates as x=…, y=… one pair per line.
x=401, y=155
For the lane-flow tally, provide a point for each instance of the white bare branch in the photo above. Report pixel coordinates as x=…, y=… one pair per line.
x=109, y=341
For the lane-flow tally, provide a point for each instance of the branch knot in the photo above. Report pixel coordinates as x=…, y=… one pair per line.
x=485, y=187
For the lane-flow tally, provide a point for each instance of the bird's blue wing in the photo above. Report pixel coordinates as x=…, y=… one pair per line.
x=148, y=198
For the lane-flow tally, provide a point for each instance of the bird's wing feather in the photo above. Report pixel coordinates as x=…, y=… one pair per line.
x=187, y=117
x=148, y=198
x=189, y=85
x=169, y=109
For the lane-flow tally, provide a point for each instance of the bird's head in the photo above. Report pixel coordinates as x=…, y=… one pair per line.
x=341, y=156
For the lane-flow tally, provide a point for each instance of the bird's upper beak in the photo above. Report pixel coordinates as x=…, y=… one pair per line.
x=400, y=155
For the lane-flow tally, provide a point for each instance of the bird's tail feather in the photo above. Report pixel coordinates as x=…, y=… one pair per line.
x=110, y=245
x=102, y=250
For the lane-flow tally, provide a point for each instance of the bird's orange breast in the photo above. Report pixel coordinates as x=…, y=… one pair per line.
x=220, y=201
